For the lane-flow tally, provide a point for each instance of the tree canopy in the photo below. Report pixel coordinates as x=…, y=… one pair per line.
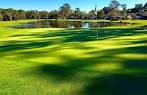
x=67, y=12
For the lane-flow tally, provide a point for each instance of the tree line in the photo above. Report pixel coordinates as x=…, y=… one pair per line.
x=114, y=9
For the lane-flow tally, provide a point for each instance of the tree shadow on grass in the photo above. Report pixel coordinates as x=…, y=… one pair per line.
x=23, y=46
x=65, y=71
x=57, y=72
x=69, y=35
x=116, y=84
x=84, y=35
x=130, y=80
x=136, y=64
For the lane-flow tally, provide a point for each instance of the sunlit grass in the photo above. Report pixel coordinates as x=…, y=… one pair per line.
x=108, y=67
x=17, y=22
x=58, y=61
x=133, y=56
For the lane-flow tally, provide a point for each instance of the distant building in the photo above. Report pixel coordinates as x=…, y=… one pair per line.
x=142, y=16
x=139, y=16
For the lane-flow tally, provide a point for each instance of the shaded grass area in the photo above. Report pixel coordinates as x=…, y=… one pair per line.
x=73, y=61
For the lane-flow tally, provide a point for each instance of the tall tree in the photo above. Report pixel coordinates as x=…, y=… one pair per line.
x=91, y=14
x=145, y=6
x=83, y=15
x=77, y=13
x=7, y=14
x=54, y=14
x=107, y=10
x=114, y=4
x=65, y=11
x=101, y=14
x=138, y=7
x=113, y=13
x=30, y=15
x=124, y=7
x=15, y=15
x=21, y=14
x=124, y=10
x=33, y=14
x=44, y=15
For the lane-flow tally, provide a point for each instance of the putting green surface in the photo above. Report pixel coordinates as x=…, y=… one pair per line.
x=108, y=61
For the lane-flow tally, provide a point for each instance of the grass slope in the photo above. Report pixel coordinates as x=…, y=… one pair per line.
x=109, y=61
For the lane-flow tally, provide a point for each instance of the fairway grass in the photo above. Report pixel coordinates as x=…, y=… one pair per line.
x=58, y=61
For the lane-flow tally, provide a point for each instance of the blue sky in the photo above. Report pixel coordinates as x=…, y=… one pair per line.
x=48, y=5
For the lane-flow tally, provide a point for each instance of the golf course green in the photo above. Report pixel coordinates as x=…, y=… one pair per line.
x=62, y=61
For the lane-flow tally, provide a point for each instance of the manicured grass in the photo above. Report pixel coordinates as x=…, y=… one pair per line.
x=11, y=23
x=108, y=61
